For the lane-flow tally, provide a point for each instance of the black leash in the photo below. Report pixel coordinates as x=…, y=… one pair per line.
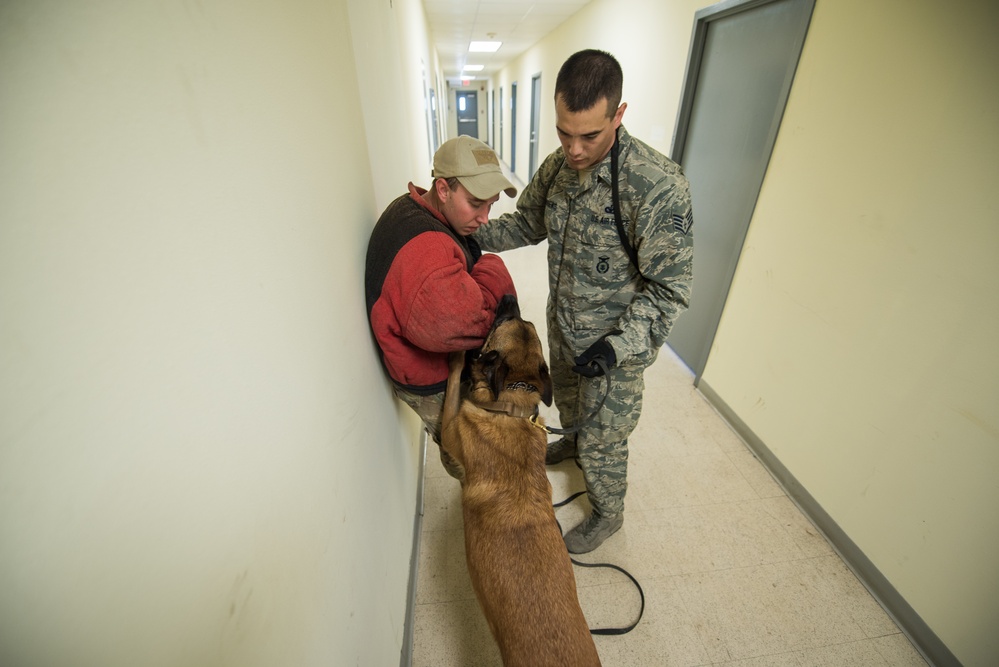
x=641, y=593
x=633, y=256
x=573, y=429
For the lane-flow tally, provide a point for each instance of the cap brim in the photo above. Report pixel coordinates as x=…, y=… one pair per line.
x=488, y=185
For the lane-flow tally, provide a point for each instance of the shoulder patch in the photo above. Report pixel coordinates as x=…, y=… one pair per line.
x=683, y=223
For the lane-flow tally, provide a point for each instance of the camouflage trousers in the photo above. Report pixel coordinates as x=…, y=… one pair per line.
x=601, y=444
x=430, y=409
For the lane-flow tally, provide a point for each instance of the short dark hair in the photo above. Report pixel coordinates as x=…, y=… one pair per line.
x=588, y=76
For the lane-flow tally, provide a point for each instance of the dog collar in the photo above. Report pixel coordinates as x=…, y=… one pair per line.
x=509, y=408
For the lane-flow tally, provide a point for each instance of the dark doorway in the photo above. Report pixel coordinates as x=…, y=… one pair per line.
x=468, y=112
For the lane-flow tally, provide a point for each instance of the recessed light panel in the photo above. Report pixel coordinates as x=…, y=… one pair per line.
x=484, y=47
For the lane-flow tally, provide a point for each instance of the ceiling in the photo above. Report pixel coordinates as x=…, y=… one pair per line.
x=519, y=24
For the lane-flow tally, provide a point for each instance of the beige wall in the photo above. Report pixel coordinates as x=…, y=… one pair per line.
x=661, y=36
x=867, y=297
x=857, y=342
x=200, y=460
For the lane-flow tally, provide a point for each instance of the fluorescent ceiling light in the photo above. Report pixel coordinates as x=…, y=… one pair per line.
x=472, y=68
x=484, y=47
x=466, y=78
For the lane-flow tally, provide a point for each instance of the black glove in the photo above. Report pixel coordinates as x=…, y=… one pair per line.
x=601, y=350
x=474, y=248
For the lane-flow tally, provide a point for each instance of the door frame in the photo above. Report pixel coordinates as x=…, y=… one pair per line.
x=466, y=93
x=695, y=56
x=532, y=163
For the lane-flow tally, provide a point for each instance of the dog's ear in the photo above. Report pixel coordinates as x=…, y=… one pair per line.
x=546, y=384
x=498, y=379
x=507, y=309
x=495, y=370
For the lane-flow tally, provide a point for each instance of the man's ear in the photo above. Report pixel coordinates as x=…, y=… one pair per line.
x=619, y=115
x=441, y=189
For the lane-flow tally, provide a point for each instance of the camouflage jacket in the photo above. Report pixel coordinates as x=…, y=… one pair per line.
x=594, y=288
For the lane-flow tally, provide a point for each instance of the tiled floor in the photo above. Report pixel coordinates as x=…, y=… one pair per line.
x=733, y=573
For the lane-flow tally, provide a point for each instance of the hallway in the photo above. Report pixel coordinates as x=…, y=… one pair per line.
x=733, y=573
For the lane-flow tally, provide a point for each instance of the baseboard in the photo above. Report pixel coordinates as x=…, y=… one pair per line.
x=934, y=651
x=406, y=659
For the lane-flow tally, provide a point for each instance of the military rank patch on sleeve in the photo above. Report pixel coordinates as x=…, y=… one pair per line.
x=683, y=223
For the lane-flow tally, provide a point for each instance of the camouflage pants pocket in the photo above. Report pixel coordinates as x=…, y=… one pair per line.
x=429, y=409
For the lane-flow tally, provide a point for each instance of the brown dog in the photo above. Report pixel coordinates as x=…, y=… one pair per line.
x=517, y=561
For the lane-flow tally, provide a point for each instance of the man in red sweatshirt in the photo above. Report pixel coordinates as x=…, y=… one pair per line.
x=429, y=289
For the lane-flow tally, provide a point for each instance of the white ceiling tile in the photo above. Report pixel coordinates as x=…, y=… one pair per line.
x=519, y=24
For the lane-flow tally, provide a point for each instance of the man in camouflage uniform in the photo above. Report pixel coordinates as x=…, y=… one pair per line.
x=600, y=304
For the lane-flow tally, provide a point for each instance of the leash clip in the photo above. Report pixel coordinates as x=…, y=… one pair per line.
x=534, y=422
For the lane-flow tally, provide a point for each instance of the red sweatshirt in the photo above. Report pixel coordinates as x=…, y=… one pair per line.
x=426, y=295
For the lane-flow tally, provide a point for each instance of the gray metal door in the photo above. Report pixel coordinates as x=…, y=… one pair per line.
x=532, y=162
x=742, y=59
x=468, y=112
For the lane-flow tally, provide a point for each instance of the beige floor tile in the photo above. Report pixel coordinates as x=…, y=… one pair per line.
x=453, y=635
x=778, y=660
x=839, y=587
x=726, y=536
x=755, y=474
x=771, y=609
x=866, y=653
x=657, y=438
x=898, y=651
x=798, y=527
x=685, y=482
x=441, y=504
x=443, y=574
x=432, y=575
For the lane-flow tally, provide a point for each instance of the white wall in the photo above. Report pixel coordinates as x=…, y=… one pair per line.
x=200, y=460
x=857, y=342
x=392, y=94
